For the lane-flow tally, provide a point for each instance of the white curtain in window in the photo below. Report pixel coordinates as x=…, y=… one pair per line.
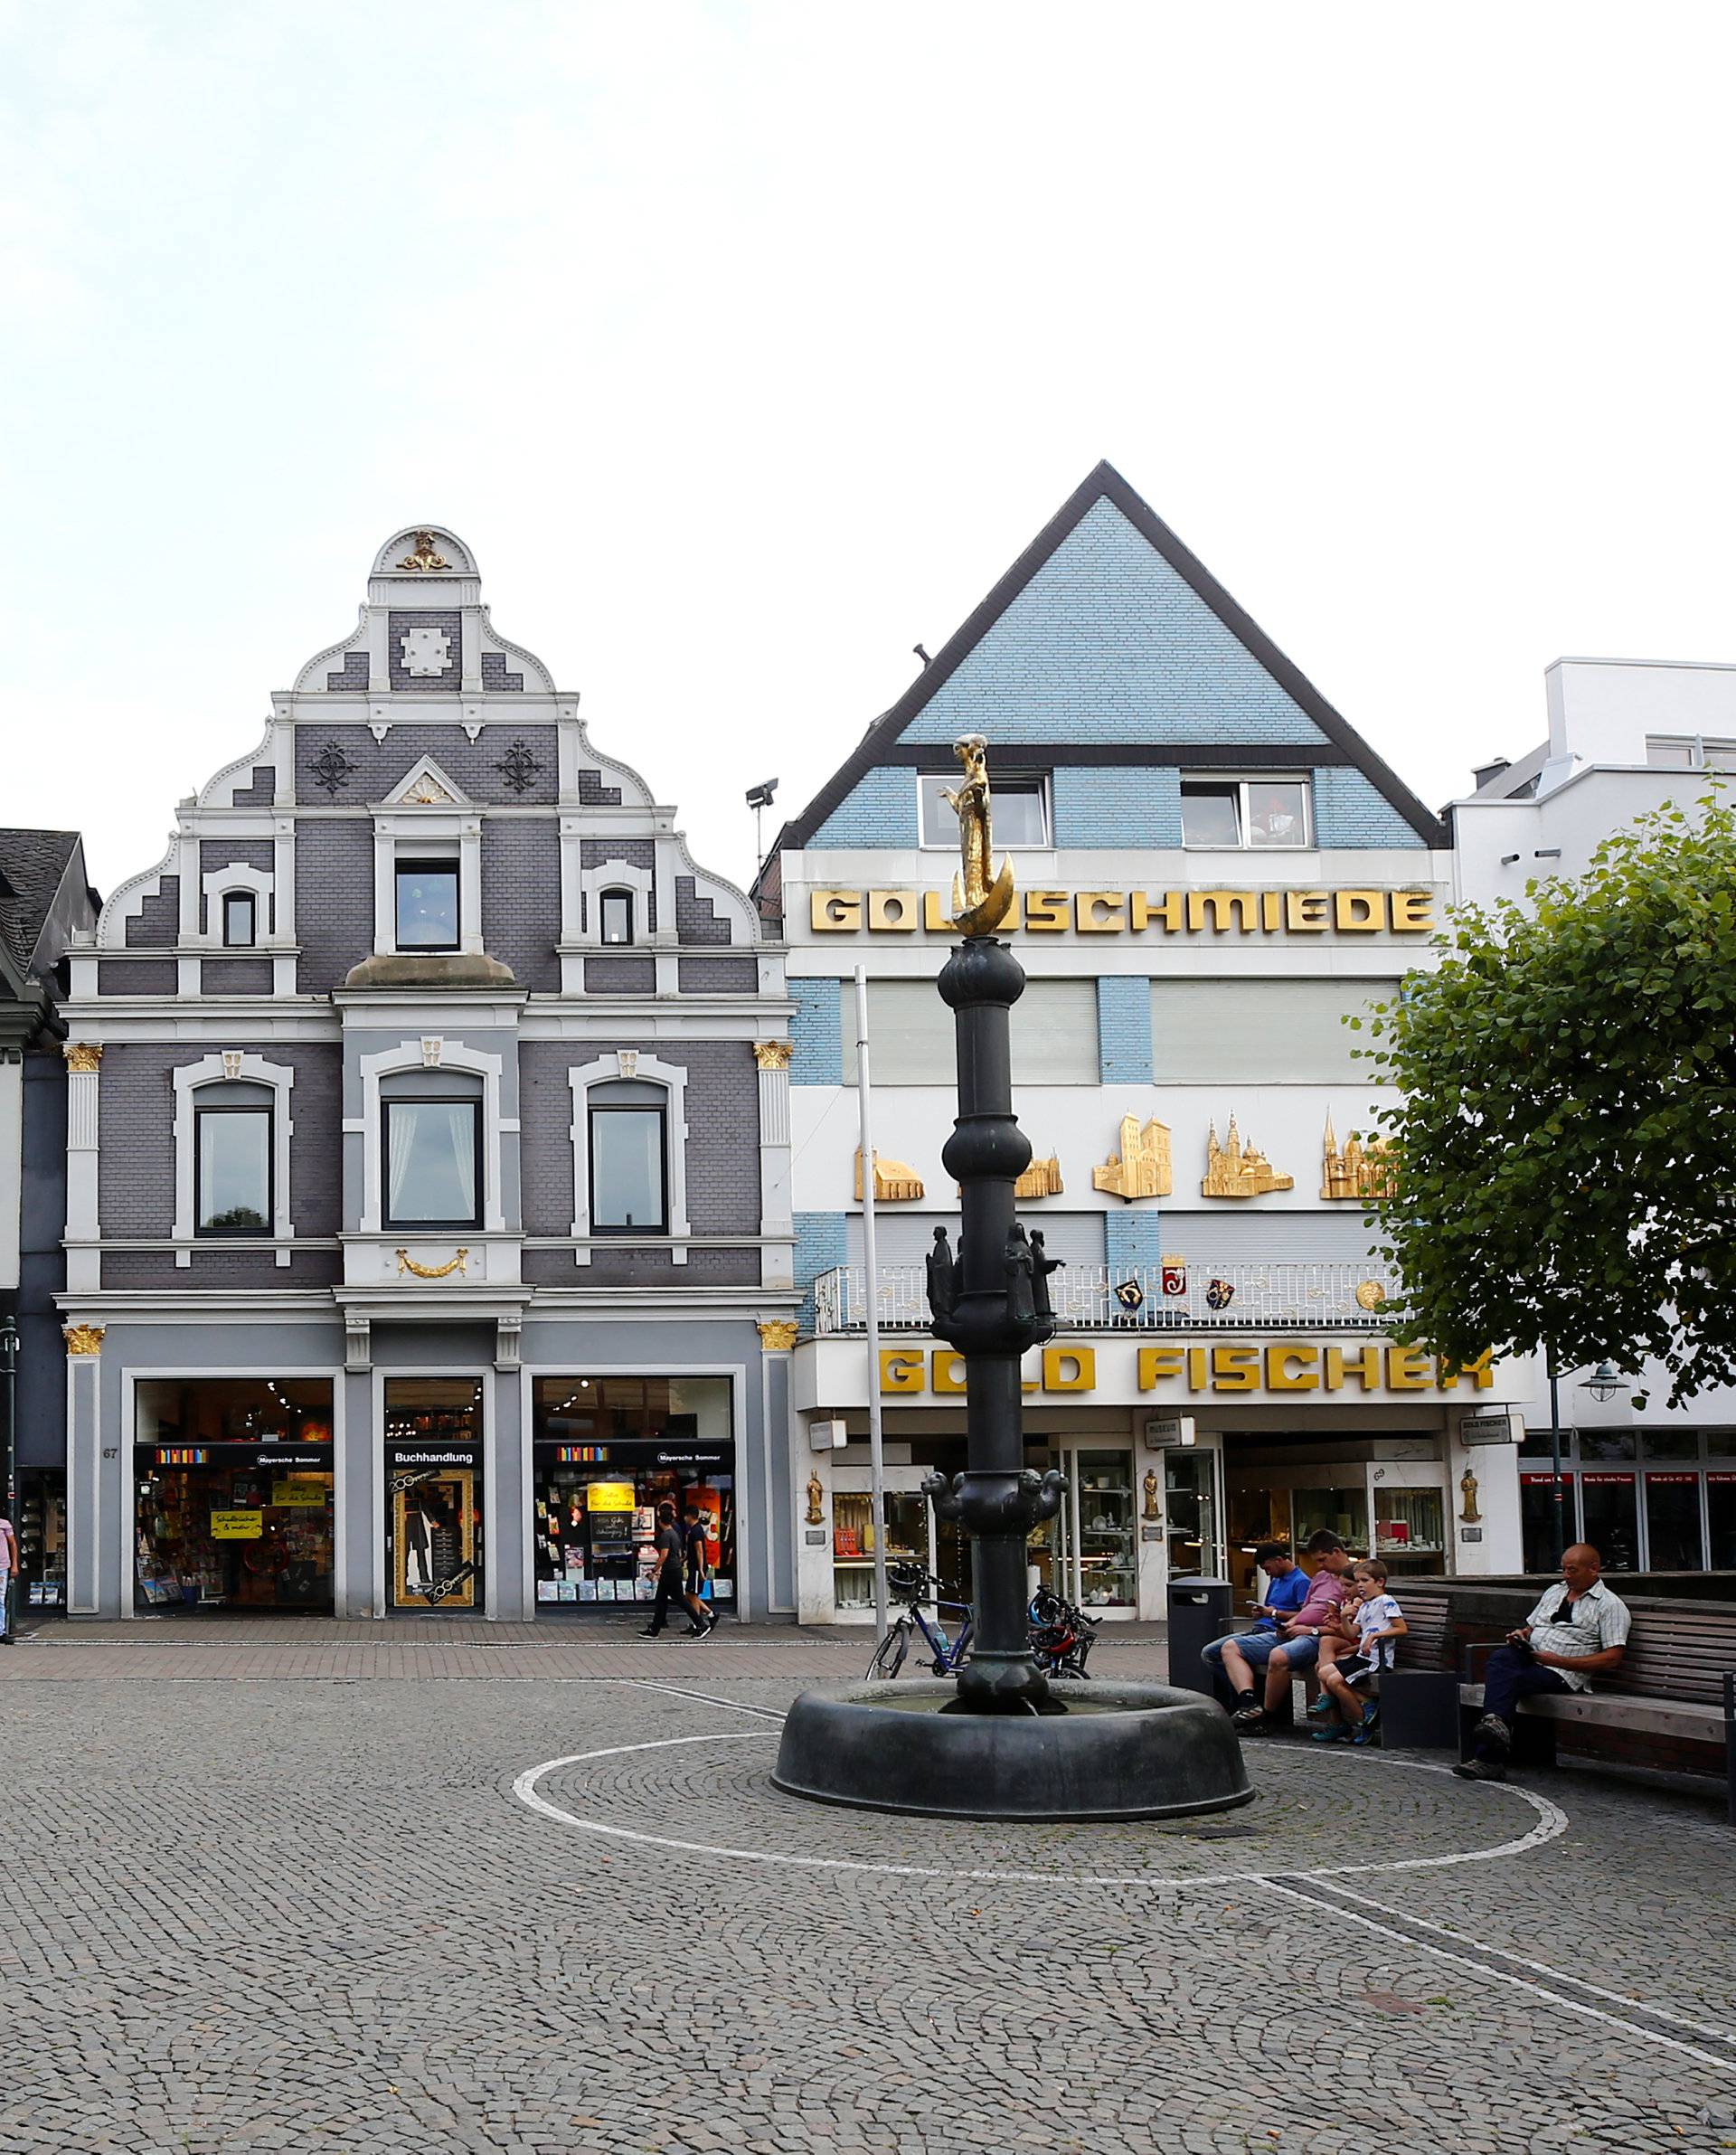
x=432, y=1151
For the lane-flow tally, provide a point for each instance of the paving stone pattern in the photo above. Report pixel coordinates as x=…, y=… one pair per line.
x=257, y=1906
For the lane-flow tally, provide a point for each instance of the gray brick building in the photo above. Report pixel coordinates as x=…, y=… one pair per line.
x=427, y=1215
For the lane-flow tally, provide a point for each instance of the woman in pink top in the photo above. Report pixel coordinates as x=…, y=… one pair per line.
x=1301, y=1648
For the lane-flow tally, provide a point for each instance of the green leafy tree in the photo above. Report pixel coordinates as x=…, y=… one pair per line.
x=1566, y=1144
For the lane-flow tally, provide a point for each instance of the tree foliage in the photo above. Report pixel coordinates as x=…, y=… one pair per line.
x=1566, y=1176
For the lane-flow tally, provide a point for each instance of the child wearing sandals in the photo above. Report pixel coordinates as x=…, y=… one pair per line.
x=1348, y=1678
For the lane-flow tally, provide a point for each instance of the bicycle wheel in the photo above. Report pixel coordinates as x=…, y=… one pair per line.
x=888, y=1655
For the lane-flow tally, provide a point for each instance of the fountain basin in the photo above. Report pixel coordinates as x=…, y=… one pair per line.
x=1120, y=1750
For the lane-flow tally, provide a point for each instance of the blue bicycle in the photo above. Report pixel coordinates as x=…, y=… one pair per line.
x=912, y=1586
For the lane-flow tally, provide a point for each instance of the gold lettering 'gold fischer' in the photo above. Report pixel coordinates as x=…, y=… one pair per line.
x=1219, y=1366
x=1134, y=912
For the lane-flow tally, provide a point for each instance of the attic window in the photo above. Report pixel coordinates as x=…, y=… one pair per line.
x=1238, y=814
x=1689, y=753
x=1019, y=802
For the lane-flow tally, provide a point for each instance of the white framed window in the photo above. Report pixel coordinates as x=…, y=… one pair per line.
x=241, y=920
x=630, y=1150
x=615, y=894
x=238, y=905
x=1019, y=800
x=1226, y=815
x=231, y=1151
x=615, y=916
x=1689, y=751
x=421, y=1101
x=425, y=902
x=427, y=867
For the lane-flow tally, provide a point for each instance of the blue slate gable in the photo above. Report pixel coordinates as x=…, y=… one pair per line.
x=1107, y=642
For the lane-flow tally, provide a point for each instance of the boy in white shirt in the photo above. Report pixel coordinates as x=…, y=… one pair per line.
x=1379, y=1624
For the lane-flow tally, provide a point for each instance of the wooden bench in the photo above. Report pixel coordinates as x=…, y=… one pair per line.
x=1670, y=1704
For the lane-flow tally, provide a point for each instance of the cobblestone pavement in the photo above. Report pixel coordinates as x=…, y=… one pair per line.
x=311, y=1913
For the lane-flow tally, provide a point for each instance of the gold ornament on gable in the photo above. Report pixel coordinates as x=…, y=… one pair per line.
x=425, y=556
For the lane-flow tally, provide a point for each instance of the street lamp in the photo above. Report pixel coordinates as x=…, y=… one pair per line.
x=1604, y=1383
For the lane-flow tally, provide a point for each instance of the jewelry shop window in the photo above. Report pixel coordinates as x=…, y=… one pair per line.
x=616, y=908
x=232, y=1159
x=427, y=895
x=1020, y=803
x=1242, y=814
x=239, y=920
x=432, y=1152
x=630, y=1188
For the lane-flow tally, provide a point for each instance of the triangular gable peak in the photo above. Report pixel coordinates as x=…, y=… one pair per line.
x=426, y=785
x=1108, y=643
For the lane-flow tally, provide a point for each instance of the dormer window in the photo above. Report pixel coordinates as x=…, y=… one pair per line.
x=1234, y=814
x=427, y=904
x=615, y=912
x=241, y=920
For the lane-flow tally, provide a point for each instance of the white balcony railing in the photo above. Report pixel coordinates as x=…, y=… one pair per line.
x=1287, y=1296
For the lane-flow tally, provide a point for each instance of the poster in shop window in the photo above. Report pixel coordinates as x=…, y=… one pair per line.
x=434, y=1537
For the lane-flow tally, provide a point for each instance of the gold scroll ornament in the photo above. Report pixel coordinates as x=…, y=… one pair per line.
x=426, y=555
x=407, y=1264
x=979, y=905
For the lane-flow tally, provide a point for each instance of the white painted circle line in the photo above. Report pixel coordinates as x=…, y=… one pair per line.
x=1551, y=1820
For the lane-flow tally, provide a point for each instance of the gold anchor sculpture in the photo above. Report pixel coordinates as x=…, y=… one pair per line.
x=979, y=905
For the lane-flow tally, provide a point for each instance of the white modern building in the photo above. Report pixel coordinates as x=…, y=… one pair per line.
x=1654, y=1487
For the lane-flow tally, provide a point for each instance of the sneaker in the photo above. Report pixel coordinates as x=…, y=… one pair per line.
x=714, y=1620
x=1335, y=1734
x=1248, y=1716
x=1364, y=1730
x=1321, y=1707
x=652, y=1632
x=1492, y=1729
x=1479, y=1769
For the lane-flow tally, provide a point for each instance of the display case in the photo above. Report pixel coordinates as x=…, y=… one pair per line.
x=1105, y=1532
x=906, y=1515
x=1410, y=1531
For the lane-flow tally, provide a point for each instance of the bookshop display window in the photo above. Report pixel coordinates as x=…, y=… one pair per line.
x=232, y=1484
x=607, y=1452
x=40, y=1526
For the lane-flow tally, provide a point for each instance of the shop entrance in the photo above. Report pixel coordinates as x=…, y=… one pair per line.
x=607, y=1452
x=433, y=1440
x=233, y=1495
x=1383, y=1497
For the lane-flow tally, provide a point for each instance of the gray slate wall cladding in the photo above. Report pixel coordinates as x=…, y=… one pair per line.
x=157, y=925
x=452, y=622
x=471, y=765
x=722, y=1142
x=635, y=853
x=334, y=899
x=521, y=898
x=696, y=921
x=218, y=853
x=495, y=673
x=136, y=1178
x=237, y=976
x=718, y=976
x=150, y=975
x=261, y=793
x=351, y=674
x=222, y=1267
x=642, y=1268
x=594, y=794
x=621, y=976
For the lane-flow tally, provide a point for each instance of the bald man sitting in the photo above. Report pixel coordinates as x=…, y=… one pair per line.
x=1578, y=1631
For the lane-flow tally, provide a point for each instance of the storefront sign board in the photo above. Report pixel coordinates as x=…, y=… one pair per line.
x=237, y=1526
x=1134, y=912
x=1287, y=1368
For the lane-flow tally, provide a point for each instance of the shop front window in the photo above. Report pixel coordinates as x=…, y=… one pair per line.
x=1610, y=1508
x=1720, y=1518
x=1410, y=1530
x=1108, y=1573
x=1190, y=1511
x=1545, y=1528
x=1673, y=1522
x=1343, y=1512
x=434, y=1470
x=906, y=1533
x=607, y=1452
x=233, y=1493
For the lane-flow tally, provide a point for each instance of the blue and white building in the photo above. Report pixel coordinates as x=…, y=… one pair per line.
x=1213, y=870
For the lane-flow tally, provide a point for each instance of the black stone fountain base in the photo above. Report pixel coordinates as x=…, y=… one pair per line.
x=1119, y=1751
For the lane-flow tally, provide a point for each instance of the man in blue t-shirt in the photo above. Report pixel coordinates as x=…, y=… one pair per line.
x=1252, y=1648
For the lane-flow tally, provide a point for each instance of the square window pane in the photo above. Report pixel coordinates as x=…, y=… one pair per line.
x=431, y=1162
x=626, y=1168
x=1210, y=816
x=235, y=1164
x=428, y=905
x=1018, y=809
x=1278, y=813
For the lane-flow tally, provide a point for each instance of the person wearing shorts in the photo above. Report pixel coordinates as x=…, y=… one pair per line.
x=1287, y=1589
x=1349, y=1681
x=1297, y=1647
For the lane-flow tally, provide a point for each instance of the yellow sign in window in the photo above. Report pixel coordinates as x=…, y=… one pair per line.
x=237, y=1526
x=609, y=1496
x=299, y=1492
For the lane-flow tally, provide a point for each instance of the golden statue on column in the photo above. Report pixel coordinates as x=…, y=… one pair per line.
x=979, y=905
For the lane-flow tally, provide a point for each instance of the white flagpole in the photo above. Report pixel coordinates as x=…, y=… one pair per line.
x=876, y=1449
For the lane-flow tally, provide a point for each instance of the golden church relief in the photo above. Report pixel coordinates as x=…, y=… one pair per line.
x=894, y=1182
x=1141, y=1168
x=1239, y=1168
x=1364, y=1171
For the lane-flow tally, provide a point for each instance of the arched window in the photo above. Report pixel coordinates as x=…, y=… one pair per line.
x=630, y=1174
x=241, y=920
x=431, y=1168
x=232, y=1159
x=615, y=910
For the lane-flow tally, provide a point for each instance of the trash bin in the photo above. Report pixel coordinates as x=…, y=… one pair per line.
x=1419, y=1709
x=1199, y=1612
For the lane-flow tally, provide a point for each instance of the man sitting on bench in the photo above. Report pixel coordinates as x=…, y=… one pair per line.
x=1578, y=1631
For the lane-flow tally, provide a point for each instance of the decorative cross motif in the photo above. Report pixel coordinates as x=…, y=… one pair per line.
x=428, y=652
x=518, y=767
x=331, y=768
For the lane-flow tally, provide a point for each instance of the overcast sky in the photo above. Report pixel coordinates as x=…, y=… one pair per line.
x=748, y=344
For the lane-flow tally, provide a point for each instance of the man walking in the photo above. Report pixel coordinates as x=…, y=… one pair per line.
x=669, y=1570
x=1579, y=1630
x=704, y=1617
